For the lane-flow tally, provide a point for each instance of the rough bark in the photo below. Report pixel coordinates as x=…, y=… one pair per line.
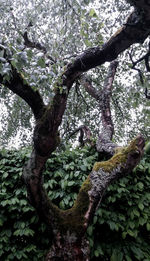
x=69, y=237
x=135, y=30
x=104, y=141
x=104, y=145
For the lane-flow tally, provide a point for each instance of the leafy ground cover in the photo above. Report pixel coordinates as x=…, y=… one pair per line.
x=121, y=226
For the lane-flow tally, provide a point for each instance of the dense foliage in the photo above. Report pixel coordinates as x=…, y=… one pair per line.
x=65, y=29
x=121, y=227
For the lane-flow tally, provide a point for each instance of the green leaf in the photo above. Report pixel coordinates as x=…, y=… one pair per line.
x=128, y=258
x=148, y=226
x=116, y=256
x=90, y=230
x=131, y=224
x=41, y=63
x=113, y=225
x=5, y=175
x=131, y=233
x=136, y=212
x=87, y=42
x=96, y=253
x=71, y=183
x=124, y=234
x=142, y=221
x=92, y=13
x=141, y=206
x=83, y=167
x=140, y=185
x=1, y=222
x=138, y=252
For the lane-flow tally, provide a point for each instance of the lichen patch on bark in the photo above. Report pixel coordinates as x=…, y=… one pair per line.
x=119, y=158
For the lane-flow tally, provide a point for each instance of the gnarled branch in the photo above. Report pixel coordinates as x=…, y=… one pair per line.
x=104, y=143
x=120, y=41
x=19, y=86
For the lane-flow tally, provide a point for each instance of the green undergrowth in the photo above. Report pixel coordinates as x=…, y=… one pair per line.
x=121, y=226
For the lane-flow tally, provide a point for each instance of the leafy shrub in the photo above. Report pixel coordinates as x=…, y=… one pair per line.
x=121, y=226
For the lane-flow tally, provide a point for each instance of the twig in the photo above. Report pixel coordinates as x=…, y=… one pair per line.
x=84, y=131
x=38, y=46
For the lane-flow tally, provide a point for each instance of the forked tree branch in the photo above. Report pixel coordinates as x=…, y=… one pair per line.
x=104, y=143
x=74, y=222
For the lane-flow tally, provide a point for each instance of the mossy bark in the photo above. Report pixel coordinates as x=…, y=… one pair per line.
x=69, y=226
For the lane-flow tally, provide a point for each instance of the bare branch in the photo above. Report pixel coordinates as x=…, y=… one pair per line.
x=104, y=101
x=84, y=131
x=31, y=44
x=104, y=143
x=87, y=84
x=147, y=62
x=79, y=94
x=28, y=43
x=146, y=59
x=146, y=93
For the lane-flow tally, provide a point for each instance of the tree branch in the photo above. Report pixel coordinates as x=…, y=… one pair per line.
x=120, y=41
x=104, y=101
x=134, y=63
x=106, y=172
x=31, y=44
x=104, y=143
x=34, y=45
x=84, y=131
x=88, y=87
x=146, y=93
x=76, y=219
x=19, y=86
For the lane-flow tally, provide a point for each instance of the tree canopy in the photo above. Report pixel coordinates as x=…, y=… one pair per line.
x=42, y=37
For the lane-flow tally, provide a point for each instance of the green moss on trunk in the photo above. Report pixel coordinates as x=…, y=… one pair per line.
x=119, y=158
x=73, y=219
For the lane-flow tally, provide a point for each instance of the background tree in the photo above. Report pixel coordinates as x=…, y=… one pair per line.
x=69, y=226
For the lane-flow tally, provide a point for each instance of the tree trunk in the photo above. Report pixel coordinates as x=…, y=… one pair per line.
x=69, y=247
